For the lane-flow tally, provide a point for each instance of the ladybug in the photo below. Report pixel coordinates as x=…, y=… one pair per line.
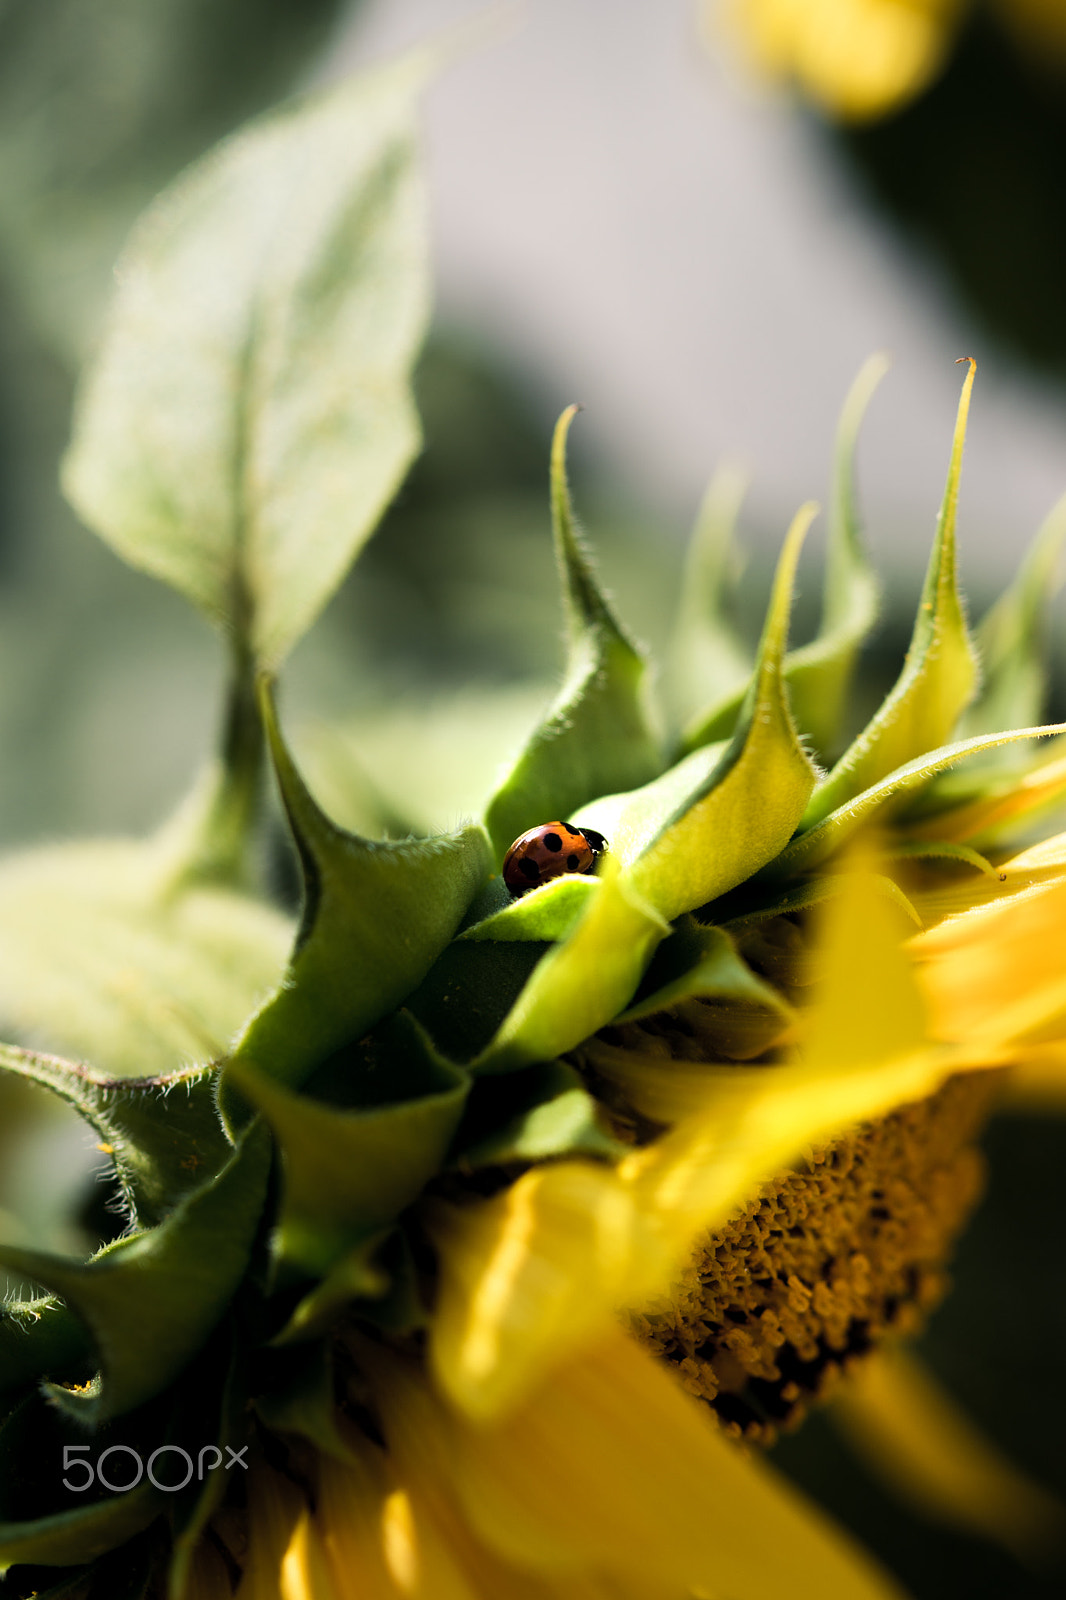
x=548, y=852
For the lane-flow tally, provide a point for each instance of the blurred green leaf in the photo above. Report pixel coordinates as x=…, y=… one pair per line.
x=1012, y=638
x=101, y=959
x=349, y=1172
x=151, y=1301
x=709, y=661
x=596, y=736
x=101, y=105
x=742, y=812
x=417, y=764
x=163, y=1134
x=819, y=674
x=376, y=917
x=249, y=415
x=938, y=677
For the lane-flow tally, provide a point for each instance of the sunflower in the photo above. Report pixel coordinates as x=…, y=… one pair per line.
x=512, y=1218
x=860, y=60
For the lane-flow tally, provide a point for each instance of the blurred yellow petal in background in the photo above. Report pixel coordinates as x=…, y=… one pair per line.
x=857, y=59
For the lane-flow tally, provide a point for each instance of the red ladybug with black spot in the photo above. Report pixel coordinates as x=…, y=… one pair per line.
x=550, y=851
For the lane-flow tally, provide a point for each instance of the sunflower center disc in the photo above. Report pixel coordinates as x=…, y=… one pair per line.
x=829, y=1259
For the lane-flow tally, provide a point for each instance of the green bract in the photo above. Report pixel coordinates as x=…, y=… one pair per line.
x=275, y=1129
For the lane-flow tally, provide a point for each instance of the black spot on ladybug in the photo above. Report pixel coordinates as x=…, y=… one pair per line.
x=548, y=852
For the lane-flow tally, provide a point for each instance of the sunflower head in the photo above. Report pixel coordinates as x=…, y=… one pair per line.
x=489, y=1104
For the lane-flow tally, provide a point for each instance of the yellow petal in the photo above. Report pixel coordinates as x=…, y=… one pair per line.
x=1024, y=875
x=1042, y=786
x=529, y=1275
x=869, y=1008
x=857, y=58
x=457, y=1564
x=1037, y=1083
x=539, y=1271
x=995, y=975
x=864, y=1051
x=363, y=1546
x=913, y=1435
x=274, y=1510
x=305, y=1572
x=610, y=1467
x=207, y=1578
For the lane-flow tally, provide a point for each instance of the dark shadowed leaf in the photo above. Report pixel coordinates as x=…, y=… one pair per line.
x=151, y=1301
x=348, y=1172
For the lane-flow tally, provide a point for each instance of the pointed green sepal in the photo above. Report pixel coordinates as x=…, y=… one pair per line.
x=350, y=1172
x=744, y=810
x=163, y=1134
x=596, y=735
x=810, y=849
x=582, y=983
x=632, y=822
x=151, y=1301
x=1012, y=638
x=937, y=850
x=939, y=675
x=987, y=805
x=547, y=914
x=702, y=963
x=304, y=1401
x=764, y=907
x=359, y=1276
x=376, y=917
x=542, y=1114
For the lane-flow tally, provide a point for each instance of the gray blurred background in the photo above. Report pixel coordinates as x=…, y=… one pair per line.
x=622, y=216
